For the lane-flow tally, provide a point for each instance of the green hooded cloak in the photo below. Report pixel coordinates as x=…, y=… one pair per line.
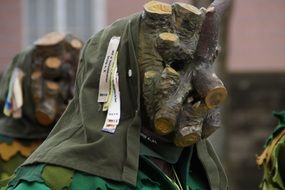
x=21, y=132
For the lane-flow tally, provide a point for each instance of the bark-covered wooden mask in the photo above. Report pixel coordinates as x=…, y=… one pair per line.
x=54, y=64
x=181, y=92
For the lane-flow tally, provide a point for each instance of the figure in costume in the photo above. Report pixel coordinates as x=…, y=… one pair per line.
x=272, y=159
x=146, y=99
x=35, y=90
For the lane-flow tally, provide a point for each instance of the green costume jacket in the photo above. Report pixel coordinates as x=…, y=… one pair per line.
x=77, y=141
x=27, y=126
x=272, y=159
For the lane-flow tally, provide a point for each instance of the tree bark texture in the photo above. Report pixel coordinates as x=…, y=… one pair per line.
x=177, y=49
x=54, y=63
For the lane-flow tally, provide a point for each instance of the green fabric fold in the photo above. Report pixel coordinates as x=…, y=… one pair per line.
x=57, y=178
x=28, y=173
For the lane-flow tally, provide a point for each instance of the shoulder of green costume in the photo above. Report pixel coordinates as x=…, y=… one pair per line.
x=17, y=62
x=94, y=44
x=24, y=58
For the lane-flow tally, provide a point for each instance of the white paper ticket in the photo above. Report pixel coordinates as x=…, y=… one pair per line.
x=17, y=98
x=114, y=110
x=111, y=82
x=14, y=99
x=104, y=84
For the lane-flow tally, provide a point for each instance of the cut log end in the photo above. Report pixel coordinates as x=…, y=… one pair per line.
x=50, y=39
x=163, y=126
x=150, y=74
x=184, y=7
x=53, y=62
x=52, y=85
x=36, y=75
x=215, y=97
x=76, y=44
x=43, y=118
x=166, y=36
x=157, y=7
x=188, y=140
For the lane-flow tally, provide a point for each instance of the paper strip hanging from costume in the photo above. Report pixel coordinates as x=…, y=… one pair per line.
x=104, y=85
x=109, y=93
x=14, y=101
x=114, y=109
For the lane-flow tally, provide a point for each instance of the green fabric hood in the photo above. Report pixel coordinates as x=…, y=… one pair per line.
x=27, y=126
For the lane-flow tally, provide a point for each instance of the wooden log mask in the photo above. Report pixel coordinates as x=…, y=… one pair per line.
x=181, y=92
x=54, y=64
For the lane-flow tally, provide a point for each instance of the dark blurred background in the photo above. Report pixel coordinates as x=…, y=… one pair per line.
x=250, y=63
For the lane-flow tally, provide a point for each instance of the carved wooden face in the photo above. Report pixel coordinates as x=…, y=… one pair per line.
x=53, y=74
x=178, y=88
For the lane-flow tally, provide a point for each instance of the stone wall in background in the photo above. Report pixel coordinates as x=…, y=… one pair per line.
x=249, y=121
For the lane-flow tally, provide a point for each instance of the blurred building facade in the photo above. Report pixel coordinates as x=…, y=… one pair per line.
x=256, y=72
x=24, y=21
x=254, y=66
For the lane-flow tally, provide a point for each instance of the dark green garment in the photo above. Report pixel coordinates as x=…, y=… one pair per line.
x=77, y=141
x=274, y=160
x=48, y=178
x=281, y=125
x=197, y=165
x=27, y=126
x=149, y=177
x=189, y=169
